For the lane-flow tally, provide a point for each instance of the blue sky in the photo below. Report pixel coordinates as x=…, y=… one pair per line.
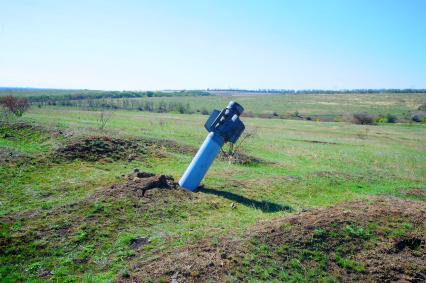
x=140, y=45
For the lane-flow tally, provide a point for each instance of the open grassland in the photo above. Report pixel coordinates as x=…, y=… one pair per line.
x=60, y=221
x=325, y=107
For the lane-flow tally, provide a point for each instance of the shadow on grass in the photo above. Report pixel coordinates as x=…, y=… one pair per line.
x=265, y=206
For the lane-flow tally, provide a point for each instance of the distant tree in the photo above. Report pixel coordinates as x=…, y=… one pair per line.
x=17, y=106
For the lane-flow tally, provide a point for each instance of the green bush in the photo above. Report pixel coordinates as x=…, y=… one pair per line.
x=391, y=118
x=380, y=120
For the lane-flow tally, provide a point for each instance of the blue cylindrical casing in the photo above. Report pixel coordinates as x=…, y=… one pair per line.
x=201, y=162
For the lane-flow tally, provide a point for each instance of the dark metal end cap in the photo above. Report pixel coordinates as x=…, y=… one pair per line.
x=235, y=107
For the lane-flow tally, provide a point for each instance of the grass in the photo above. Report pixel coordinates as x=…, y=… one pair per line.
x=308, y=165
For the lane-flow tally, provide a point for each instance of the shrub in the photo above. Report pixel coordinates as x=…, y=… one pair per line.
x=418, y=116
x=204, y=111
x=15, y=105
x=380, y=120
x=296, y=114
x=391, y=118
x=363, y=119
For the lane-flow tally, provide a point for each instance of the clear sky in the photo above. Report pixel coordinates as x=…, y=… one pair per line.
x=139, y=45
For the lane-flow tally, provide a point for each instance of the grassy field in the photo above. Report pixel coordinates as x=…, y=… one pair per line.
x=326, y=107
x=313, y=104
x=56, y=223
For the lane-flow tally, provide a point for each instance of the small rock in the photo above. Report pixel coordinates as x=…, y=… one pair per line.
x=233, y=205
x=174, y=277
x=138, y=242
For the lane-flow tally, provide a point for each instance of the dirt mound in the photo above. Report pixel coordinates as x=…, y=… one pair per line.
x=243, y=159
x=416, y=192
x=138, y=183
x=380, y=240
x=96, y=221
x=9, y=157
x=18, y=125
x=19, y=130
x=97, y=148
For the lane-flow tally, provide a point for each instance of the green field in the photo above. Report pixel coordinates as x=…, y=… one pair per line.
x=53, y=229
x=324, y=107
x=308, y=104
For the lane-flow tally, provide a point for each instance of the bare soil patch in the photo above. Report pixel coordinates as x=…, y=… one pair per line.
x=316, y=141
x=416, y=192
x=12, y=157
x=382, y=240
x=100, y=147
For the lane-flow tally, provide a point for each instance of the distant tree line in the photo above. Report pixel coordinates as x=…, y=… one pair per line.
x=110, y=94
x=319, y=91
x=128, y=104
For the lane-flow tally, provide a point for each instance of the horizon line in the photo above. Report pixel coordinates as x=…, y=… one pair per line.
x=221, y=89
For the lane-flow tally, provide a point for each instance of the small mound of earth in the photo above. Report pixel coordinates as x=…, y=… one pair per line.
x=381, y=240
x=242, y=159
x=141, y=200
x=416, y=192
x=138, y=183
x=19, y=126
x=9, y=156
x=98, y=148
